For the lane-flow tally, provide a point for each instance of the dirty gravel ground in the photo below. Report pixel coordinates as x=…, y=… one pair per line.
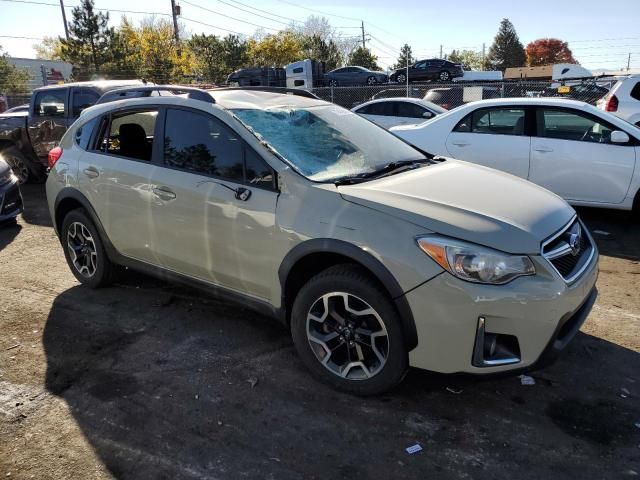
x=148, y=380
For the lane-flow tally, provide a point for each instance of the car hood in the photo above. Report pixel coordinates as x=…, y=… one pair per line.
x=468, y=202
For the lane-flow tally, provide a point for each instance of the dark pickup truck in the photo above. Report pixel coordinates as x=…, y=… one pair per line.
x=27, y=137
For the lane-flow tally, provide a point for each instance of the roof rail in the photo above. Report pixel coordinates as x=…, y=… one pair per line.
x=146, y=91
x=283, y=90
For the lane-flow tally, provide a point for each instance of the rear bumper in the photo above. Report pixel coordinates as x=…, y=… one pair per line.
x=11, y=204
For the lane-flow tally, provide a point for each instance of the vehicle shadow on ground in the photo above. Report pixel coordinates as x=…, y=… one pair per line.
x=8, y=232
x=617, y=233
x=167, y=383
x=35, y=205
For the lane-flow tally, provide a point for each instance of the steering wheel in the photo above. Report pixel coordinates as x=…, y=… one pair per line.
x=589, y=137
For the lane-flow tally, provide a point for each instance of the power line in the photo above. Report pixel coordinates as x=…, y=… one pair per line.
x=263, y=11
x=212, y=26
x=229, y=16
x=34, y=2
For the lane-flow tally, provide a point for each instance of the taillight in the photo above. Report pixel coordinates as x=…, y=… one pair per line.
x=612, y=104
x=54, y=156
x=446, y=106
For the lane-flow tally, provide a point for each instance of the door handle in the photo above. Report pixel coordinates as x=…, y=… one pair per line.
x=91, y=172
x=543, y=149
x=460, y=144
x=165, y=193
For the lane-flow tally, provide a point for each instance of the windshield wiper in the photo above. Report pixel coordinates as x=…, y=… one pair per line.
x=390, y=168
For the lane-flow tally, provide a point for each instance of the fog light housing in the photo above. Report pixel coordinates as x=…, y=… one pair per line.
x=494, y=349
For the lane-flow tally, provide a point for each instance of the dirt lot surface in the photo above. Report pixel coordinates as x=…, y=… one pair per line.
x=148, y=380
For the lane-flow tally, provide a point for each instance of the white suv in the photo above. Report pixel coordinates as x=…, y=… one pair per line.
x=624, y=100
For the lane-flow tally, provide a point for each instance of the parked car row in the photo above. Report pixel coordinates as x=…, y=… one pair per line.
x=372, y=252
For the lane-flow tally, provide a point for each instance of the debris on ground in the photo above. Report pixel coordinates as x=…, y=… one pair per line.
x=414, y=449
x=526, y=380
x=454, y=390
x=13, y=346
x=601, y=232
x=253, y=381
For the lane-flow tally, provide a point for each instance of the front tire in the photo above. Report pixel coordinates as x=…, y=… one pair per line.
x=333, y=83
x=445, y=76
x=401, y=78
x=84, y=250
x=347, y=331
x=371, y=81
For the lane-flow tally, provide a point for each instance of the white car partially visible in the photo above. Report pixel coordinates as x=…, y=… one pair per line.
x=585, y=155
x=623, y=100
x=391, y=112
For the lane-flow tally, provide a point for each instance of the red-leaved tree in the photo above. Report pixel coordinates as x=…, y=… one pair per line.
x=548, y=51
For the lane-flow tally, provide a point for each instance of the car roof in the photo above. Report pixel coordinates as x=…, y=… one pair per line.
x=417, y=101
x=101, y=84
x=530, y=101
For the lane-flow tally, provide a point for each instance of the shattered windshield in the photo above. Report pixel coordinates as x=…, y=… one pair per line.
x=325, y=143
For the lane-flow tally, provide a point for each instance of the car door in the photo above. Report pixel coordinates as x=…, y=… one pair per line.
x=214, y=211
x=495, y=137
x=418, y=71
x=572, y=155
x=433, y=68
x=48, y=121
x=115, y=176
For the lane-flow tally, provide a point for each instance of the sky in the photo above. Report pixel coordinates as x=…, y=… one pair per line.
x=600, y=34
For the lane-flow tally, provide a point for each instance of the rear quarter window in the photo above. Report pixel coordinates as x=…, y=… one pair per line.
x=635, y=91
x=84, y=133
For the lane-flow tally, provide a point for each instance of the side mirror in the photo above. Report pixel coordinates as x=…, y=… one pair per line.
x=618, y=136
x=427, y=114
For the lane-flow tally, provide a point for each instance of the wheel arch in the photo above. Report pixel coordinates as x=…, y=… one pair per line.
x=313, y=256
x=69, y=199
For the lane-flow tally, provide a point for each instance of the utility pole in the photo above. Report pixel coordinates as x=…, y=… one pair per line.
x=64, y=20
x=440, y=51
x=175, y=11
x=483, y=50
x=629, y=62
x=363, y=44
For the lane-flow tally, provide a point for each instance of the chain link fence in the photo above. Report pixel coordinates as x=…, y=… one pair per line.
x=454, y=94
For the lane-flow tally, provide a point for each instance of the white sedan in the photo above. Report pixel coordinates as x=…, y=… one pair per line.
x=390, y=112
x=583, y=154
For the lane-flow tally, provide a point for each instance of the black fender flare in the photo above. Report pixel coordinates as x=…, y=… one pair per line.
x=361, y=256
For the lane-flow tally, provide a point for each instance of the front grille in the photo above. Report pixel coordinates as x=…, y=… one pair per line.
x=569, y=251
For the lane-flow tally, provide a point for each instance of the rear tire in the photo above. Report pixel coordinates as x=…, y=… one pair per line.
x=347, y=331
x=371, y=81
x=444, y=76
x=84, y=250
x=401, y=78
x=333, y=83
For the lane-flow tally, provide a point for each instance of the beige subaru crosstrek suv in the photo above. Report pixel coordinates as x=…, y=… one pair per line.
x=377, y=256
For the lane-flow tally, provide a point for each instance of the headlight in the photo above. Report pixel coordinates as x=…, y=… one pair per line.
x=475, y=263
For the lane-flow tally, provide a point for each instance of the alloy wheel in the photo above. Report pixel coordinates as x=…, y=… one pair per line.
x=402, y=78
x=371, y=81
x=444, y=76
x=82, y=249
x=347, y=336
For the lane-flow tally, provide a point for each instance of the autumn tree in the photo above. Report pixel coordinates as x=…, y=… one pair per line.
x=12, y=80
x=90, y=39
x=406, y=57
x=469, y=59
x=276, y=50
x=548, y=51
x=506, y=50
x=363, y=57
x=50, y=48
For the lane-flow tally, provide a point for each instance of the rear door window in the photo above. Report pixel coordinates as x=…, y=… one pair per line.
x=496, y=121
x=129, y=134
x=385, y=109
x=635, y=91
x=410, y=110
x=81, y=99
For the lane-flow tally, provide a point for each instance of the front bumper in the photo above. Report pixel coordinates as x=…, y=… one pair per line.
x=543, y=312
x=11, y=204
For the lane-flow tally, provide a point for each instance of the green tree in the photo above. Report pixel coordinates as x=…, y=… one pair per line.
x=315, y=48
x=12, y=80
x=236, y=53
x=507, y=50
x=406, y=56
x=209, y=57
x=363, y=57
x=469, y=59
x=90, y=40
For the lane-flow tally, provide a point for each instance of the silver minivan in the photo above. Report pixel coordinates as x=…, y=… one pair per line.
x=377, y=256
